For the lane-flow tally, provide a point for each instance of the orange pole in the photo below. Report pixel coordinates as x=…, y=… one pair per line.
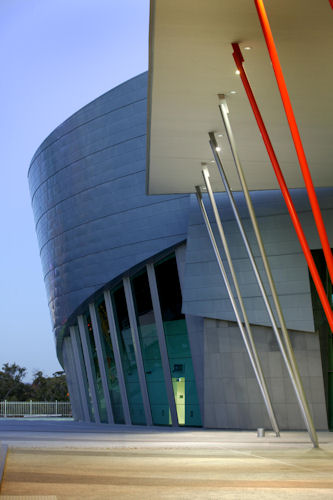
x=238, y=57
x=295, y=135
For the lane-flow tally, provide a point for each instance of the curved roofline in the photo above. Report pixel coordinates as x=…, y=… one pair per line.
x=41, y=147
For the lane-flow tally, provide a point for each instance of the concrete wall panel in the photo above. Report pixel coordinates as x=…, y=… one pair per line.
x=232, y=397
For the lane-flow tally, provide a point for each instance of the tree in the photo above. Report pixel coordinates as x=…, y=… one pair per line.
x=11, y=385
x=43, y=388
x=49, y=388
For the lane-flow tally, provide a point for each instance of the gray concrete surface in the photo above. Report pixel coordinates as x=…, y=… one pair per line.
x=232, y=396
x=65, y=460
x=55, y=433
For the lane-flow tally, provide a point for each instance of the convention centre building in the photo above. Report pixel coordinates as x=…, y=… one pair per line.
x=187, y=285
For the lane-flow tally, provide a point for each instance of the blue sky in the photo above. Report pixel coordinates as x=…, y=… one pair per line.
x=55, y=57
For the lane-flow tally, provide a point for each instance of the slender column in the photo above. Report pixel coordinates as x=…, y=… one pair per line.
x=137, y=350
x=295, y=134
x=72, y=381
x=101, y=361
x=83, y=329
x=248, y=339
x=117, y=358
x=74, y=335
x=161, y=342
x=234, y=306
x=285, y=344
x=238, y=57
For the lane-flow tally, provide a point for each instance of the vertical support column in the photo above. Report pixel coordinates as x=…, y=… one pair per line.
x=83, y=329
x=74, y=336
x=248, y=340
x=161, y=342
x=72, y=380
x=234, y=306
x=137, y=350
x=285, y=344
x=117, y=358
x=101, y=361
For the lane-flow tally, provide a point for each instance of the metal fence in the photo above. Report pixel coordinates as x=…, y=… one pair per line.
x=35, y=409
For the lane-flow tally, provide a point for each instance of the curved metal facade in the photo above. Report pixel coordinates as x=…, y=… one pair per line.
x=130, y=354
x=93, y=219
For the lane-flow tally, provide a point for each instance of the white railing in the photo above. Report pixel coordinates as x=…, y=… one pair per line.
x=35, y=409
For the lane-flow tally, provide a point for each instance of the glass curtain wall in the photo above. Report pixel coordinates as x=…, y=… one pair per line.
x=176, y=336
x=110, y=366
x=96, y=371
x=150, y=349
x=178, y=348
x=325, y=335
x=127, y=355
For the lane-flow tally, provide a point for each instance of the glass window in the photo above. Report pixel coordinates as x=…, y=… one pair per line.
x=127, y=355
x=176, y=336
x=325, y=335
x=109, y=362
x=150, y=349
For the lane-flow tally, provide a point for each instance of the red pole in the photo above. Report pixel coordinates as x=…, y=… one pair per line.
x=283, y=186
x=295, y=135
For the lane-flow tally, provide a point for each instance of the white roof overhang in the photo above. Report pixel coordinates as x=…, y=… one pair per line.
x=191, y=63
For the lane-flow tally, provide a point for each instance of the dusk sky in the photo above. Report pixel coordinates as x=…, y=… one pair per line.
x=56, y=56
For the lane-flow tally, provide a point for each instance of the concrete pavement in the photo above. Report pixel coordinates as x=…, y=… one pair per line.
x=66, y=460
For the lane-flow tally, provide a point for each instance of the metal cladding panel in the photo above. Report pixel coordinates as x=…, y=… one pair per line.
x=204, y=292
x=93, y=218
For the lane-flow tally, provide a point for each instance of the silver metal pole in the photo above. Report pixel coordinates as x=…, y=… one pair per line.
x=117, y=357
x=74, y=336
x=83, y=329
x=72, y=380
x=248, y=340
x=285, y=347
x=137, y=350
x=162, y=343
x=101, y=361
x=228, y=287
